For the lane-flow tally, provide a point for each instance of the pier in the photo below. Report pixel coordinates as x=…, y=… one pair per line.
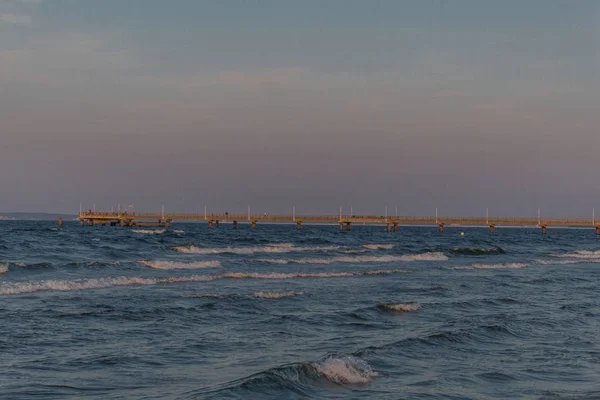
x=345, y=223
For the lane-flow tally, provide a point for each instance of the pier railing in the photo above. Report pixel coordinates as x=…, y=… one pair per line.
x=371, y=219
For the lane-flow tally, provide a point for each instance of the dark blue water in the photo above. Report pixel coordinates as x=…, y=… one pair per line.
x=283, y=314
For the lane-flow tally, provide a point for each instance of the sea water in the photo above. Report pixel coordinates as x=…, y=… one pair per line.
x=277, y=313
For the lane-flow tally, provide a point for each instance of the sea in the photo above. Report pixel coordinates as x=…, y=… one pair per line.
x=279, y=313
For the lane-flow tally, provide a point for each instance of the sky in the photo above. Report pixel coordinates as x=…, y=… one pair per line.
x=461, y=105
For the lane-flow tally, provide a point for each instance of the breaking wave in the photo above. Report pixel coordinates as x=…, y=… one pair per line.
x=150, y=231
x=180, y=265
x=404, y=307
x=360, y=259
x=276, y=295
x=301, y=379
x=344, y=369
x=271, y=248
x=493, y=266
x=378, y=246
x=568, y=262
x=101, y=283
x=584, y=254
x=474, y=251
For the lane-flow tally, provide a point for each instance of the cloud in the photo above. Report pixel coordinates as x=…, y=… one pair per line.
x=15, y=19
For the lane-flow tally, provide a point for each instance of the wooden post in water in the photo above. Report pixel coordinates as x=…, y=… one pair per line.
x=544, y=229
x=492, y=228
x=210, y=224
x=217, y=224
x=395, y=227
x=389, y=227
x=60, y=222
x=597, y=229
x=348, y=226
x=234, y=224
x=441, y=227
x=341, y=226
x=253, y=224
x=298, y=224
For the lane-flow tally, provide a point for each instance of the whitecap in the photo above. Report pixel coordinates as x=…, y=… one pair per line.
x=100, y=283
x=493, y=266
x=345, y=370
x=378, y=246
x=180, y=265
x=276, y=295
x=150, y=231
x=360, y=259
x=274, y=248
x=404, y=307
x=583, y=254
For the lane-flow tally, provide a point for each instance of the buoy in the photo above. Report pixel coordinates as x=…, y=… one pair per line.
x=462, y=234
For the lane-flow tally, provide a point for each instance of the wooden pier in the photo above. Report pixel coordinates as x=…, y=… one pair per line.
x=344, y=222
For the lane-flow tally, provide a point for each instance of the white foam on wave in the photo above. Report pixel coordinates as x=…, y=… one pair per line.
x=569, y=262
x=583, y=254
x=360, y=259
x=207, y=296
x=178, y=231
x=3, y=268
x=101, y=283
x=150, y=231
x=493, y=266
x=274, y=248
x=404, y=307
x=353, y=251
x=378, y=246
x=180, y=265
x=276, y=295
x=345, y=370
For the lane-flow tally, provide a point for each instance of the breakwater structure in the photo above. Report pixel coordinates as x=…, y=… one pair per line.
x=344, y=222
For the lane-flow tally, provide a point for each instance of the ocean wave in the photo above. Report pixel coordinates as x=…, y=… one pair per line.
x=302, y=379
x=271, y=248
x=378, y=246
x=150, y=231
x=101, y=283
x=474, y=251
x=493, y=266
x=404, y=307
x=3, y=268
x=569, y=262
x=276, y=295
x=584, y=254
x=208, y=296
x=360, y=259
x=180, y=265
x=345, y=369
x=178, y=231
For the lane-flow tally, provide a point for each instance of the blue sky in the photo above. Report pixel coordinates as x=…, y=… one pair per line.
x=459, y=105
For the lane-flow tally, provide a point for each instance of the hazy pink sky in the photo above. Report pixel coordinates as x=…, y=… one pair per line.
x=458, y=105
